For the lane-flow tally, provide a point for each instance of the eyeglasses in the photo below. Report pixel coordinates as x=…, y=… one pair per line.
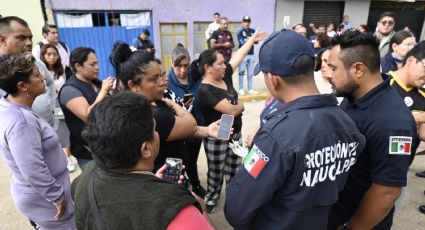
x=390, y=23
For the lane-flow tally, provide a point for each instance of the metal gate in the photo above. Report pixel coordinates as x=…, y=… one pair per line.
x=101, y=37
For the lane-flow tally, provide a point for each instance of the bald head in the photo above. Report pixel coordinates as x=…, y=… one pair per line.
x=15, y=36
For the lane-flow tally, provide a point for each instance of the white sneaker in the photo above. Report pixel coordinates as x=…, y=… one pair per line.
x=252, y=92
x=241, y=92
x=70, y=166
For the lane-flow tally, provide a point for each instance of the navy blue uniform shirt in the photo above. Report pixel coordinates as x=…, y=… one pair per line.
x=296, y=166
x=391, y=141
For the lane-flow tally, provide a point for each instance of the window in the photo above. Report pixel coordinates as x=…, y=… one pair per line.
x=171, y=35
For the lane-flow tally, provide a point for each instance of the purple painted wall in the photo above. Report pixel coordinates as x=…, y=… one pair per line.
x=262, y=12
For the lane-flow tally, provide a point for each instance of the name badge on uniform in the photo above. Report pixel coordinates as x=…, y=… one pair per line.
x=255, y=161
x=400, y=145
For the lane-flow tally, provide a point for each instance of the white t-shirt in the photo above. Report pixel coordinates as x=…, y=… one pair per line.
x=213, y=26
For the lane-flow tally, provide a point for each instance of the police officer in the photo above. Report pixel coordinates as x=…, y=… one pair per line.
x=299, y=159
x=375, y=181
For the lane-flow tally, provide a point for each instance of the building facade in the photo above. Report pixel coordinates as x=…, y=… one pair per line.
x=172, y=22
x=407, y=13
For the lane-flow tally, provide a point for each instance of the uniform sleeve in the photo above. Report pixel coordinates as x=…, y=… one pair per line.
x=26, y=147
x=390, y=160
x=263, y=172
x=164, y=123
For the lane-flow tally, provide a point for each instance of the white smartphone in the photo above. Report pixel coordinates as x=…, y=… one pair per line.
x=226, y=124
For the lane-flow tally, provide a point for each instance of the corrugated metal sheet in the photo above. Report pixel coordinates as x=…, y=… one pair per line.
x=101, y=39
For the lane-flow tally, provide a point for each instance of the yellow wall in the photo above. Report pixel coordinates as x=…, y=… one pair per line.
x=29, y=10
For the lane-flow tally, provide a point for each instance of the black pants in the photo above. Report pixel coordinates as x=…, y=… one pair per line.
x=193, y=147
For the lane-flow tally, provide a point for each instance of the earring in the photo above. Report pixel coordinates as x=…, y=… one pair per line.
x=27, y=94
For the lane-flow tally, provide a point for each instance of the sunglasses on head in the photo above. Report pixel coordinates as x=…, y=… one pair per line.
x=390, y=23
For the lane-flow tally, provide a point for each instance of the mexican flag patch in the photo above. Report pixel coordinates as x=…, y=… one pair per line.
x=400, y=145
x=255, y=161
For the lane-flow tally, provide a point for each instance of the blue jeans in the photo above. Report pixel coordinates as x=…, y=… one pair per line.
x=247, y=66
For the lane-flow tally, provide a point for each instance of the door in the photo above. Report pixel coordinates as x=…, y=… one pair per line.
x=322, y=13
x=171, y=35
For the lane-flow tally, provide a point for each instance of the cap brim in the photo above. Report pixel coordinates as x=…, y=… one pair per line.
x=257, y=69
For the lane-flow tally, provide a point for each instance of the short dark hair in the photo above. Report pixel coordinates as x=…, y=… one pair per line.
x=146, y=32
x=79, y=55
x=5, y=23
x=386, y=14
x=216, y=13
x=46, y=28
x=116, y=129
x=398, y=38
x=13, y=69
x=358, y=47
x=303, y=70
x=129, y=65
x=207, y=57
x=417, y=51
x=57, y=68
x=224, y=18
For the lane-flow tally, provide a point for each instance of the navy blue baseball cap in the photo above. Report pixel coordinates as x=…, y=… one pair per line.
x=279, y=52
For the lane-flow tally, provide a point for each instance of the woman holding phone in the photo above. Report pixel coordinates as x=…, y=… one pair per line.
x=217, y=96
x=139, y=72
x=185, y=85
x=77, y=97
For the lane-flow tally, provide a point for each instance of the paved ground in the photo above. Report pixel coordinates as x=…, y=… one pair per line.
x=408, y=217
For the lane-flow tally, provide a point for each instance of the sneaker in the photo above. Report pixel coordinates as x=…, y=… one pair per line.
x=241, y=92
x=70, y=166
x=252, y=92
x=211, y=202
x=210, y=208
x=199, y=191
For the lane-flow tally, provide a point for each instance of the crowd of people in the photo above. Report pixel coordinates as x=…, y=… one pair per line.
x=326, y=155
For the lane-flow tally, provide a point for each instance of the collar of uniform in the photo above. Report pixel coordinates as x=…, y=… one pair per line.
x=313, y=101
x=371, y=96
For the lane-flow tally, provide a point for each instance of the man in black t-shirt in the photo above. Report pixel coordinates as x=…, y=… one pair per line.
x=376, y=180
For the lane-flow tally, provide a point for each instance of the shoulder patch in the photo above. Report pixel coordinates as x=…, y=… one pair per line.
x=255, y=162
x=400, y=145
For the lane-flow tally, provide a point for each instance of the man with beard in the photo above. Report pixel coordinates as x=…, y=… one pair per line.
x=376, y=180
